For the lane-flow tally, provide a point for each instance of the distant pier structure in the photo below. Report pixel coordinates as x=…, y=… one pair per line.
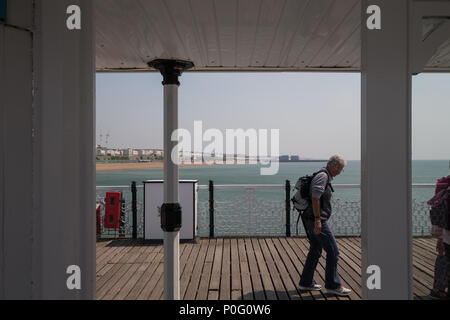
x=295, y=158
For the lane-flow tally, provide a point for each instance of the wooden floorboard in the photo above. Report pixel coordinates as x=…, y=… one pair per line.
x=214, y=283
x=239, y=269
x=202, y=292
x=288, y=283
x=292, y=274
x=236, y=282
x=154, y=258
x=192, y=287
x=247, y=289
x=258, y=289
x=264, y=272
x=225, y=275
x=188, y=269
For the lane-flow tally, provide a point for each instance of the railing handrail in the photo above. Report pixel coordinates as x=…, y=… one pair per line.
x=262, y=186
x=117, y=187
x=280, y=186
x=423, y=185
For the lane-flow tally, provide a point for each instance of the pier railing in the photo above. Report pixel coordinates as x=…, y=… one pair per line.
x=264, y=210
x=255, y=210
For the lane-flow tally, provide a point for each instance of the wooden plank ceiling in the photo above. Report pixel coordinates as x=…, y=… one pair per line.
x=235, y=35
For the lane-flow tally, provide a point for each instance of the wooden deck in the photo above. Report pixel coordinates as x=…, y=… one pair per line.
x=238, y=268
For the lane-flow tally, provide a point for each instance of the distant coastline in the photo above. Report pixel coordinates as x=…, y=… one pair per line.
x=303, y=161
x=139, y=165
x=147, y=165
x=115, y=166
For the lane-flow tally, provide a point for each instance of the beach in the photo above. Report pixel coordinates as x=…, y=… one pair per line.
x=141, y=165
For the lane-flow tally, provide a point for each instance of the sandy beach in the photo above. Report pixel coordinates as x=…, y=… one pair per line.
x=139, y=165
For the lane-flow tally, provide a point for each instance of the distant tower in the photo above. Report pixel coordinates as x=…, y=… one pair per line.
x=107, y=138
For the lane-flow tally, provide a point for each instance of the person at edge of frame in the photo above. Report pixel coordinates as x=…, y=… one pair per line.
x=439, y=216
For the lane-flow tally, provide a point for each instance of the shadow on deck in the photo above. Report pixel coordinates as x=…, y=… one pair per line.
x=238, y=268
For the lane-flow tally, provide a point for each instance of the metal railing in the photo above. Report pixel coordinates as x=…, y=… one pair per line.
x=250, y=213
x=253, y=210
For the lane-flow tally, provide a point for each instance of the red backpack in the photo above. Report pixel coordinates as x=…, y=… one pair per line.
x=442, y=184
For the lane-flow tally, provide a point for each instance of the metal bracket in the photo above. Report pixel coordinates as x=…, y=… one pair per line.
x=170, y=69
x=171, y=217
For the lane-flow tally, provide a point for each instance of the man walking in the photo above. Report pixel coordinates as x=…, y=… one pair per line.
x=319, y=234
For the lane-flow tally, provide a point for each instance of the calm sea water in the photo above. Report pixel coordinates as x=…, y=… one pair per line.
x=423, y=171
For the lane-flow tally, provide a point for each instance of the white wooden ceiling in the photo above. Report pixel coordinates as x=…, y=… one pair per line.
x=241, y=35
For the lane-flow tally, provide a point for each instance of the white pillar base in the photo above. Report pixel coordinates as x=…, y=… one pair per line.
x=172, y=265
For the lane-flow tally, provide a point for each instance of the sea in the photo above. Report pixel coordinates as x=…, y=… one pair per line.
x=423, y=171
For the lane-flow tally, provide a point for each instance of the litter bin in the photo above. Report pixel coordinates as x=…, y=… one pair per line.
x=153, y=200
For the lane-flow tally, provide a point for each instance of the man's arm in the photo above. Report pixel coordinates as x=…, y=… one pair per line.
x=318, y=186
x=316, y=211
x=316, y=208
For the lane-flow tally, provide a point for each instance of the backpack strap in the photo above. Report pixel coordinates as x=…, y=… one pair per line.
x=328, y=178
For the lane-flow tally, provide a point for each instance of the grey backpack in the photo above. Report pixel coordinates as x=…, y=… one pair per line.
x=302, y=199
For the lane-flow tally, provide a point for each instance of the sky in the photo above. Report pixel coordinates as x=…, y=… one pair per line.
x=318, y=114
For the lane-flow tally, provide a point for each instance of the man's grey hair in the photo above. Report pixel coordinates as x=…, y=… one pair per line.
x=337, y=160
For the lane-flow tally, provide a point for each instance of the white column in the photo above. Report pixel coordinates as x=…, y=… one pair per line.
x=16, y=166
x=386, y=151
x=63, y=151
x=171, y=239
x=47, y=170
x=170, y=210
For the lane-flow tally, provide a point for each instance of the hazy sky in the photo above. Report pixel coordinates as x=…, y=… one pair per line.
x=318, y=114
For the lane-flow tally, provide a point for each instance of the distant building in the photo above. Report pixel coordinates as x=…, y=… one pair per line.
x=130, y=152
x=284, y=158
x=103, y=153
x=295, y=158
x=113, y=152
x=145, y=152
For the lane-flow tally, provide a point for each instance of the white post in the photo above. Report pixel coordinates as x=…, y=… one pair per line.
x=386, y=150
x=64, y=143
x=171, y=239
x=47, y=162
x=16, y=152
x=170, y=210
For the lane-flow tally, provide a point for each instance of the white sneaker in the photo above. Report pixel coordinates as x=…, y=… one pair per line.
x=314, y=287
x=342, y=291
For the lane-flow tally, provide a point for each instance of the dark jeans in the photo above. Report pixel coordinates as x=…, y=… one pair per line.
x=326, y=241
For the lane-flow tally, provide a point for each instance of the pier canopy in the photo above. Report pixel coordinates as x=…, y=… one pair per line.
x=386, y=41
x=250, y=35
x=50, y=51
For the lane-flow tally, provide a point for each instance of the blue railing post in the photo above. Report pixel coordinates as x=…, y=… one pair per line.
x=288, y=208
x=211, y=209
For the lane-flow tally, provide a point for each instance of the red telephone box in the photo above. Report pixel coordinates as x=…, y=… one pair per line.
x=112, y=210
